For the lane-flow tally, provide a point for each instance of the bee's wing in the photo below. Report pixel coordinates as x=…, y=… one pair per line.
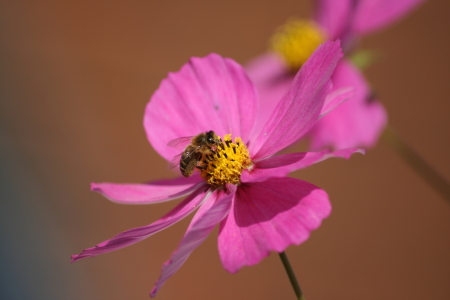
x=175, y=161
x=180, y=143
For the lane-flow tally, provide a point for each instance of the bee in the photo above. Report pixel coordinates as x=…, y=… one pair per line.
x=200, y=148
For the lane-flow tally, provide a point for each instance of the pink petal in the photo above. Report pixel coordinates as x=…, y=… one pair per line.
x=272, y=79
x=333, y=16
x=148, y=193
x=138, y=234
x=266, y=67
x=300, y=107
x=299, y=161
x=356, y=123
x=316, y=157
x=269, y=216
x=371, y=15
x=210, y=93
x=279, y=160
x=209, y=214
x=336, y=98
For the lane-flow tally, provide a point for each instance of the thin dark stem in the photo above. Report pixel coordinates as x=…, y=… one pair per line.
x=291, y=275
x=434, y=179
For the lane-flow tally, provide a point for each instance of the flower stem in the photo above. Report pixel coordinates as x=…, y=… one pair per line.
x=291, y=275
x=434, y=179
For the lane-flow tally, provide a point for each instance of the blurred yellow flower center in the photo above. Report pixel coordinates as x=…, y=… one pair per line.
x=227, y=164
x=296, y=40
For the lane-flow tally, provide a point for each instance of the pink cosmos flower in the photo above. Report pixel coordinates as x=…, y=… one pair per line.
x=243, y=188
x=359, y=121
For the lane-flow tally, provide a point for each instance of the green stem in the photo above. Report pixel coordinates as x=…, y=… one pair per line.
x=291, y=275
x=434, y=179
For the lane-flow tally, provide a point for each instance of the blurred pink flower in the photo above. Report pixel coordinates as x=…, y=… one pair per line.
x=359, y=121
x=266, y=211
x=349, y=19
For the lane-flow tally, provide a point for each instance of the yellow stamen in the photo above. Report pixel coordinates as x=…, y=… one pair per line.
x=227, y=164
x=296, y=40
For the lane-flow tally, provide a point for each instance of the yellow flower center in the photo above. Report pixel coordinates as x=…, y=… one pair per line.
x=226, y=164
x=296, y=40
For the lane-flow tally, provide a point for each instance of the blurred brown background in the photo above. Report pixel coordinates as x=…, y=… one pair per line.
x=75, y=78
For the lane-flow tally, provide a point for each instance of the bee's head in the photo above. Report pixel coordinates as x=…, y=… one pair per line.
x=212, y=138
